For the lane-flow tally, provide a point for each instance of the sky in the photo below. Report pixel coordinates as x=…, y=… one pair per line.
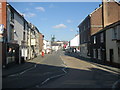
x=56, y=18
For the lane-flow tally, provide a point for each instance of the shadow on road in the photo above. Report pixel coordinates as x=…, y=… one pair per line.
x=38, y=73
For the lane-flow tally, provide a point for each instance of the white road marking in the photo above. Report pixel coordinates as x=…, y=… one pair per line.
x=37, y=86
x=114, y=85
x=23, y=71
x=63, y=61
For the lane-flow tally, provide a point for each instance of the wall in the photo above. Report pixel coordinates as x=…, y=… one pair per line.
x=110, y=44
x=111, y=12
x=3, y=16
x=40, y=41
x=96, y=20
x=75, y=41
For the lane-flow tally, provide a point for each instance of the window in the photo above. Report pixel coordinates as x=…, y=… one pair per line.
x=23, y=35
x=94, y=53
x=84, y=28
x=99, y=54
x=12, y=16
x=24, y=25
x=11, y=33
x=94, y=39
x=115, y=33
x=101, y=38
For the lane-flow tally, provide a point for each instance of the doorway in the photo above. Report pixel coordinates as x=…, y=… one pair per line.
x=111, y=55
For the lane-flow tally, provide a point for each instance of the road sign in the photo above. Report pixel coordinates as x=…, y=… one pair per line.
x=1, y=28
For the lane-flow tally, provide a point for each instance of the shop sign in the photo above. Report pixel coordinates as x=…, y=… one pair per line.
x=0, y=5
x=1, y=28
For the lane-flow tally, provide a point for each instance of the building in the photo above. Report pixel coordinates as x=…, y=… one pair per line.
x=98, y=46
x=84, y=36
x=107, y=13
x=46, y=46
x=75, y=41
x=3, y=32
x=19, y=39
x=105, y=44
x=113, y=43
x=57, y=45
x=41, y=38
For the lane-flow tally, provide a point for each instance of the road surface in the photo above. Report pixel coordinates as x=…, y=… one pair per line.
x=58, y=70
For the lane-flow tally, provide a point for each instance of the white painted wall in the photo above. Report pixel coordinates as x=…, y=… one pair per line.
x=110, y=44
x=46, y=46
x=18, y=31
x=18, y=27
x=55, y=48
x=75, y=41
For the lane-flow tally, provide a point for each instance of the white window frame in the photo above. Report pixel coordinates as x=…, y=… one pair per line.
x=114, y=33
x=94, y=39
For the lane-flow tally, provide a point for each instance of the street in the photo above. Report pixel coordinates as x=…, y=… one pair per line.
x=59, y=70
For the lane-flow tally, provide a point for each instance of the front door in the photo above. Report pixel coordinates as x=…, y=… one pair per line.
x=111, y=55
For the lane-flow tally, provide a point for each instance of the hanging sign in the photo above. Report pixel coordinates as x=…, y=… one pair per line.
x=1, y=28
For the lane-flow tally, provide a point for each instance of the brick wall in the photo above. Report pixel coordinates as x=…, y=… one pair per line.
x=111, y=12
x=3, y=21
x=96, y=21
x=3, y=14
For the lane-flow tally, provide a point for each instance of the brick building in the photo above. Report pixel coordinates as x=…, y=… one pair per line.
x=105, y=45
x=107, y=13
x=41, y=37
x=84, y=34
x=4, y=33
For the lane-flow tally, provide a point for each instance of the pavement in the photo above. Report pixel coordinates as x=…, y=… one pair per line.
x=102, y=65
x=17, y=68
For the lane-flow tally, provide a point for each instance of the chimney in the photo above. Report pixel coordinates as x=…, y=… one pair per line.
x=105, y=12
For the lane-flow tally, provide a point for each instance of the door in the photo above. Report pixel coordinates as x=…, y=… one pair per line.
x=111, y=55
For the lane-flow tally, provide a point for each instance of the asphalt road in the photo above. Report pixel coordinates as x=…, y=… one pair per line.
x=62, y=71
x=49, y=66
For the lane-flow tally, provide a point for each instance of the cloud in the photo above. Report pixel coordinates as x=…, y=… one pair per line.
x=29, y=14
x=59, y=26
x=40, y=9
x=69, y=21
